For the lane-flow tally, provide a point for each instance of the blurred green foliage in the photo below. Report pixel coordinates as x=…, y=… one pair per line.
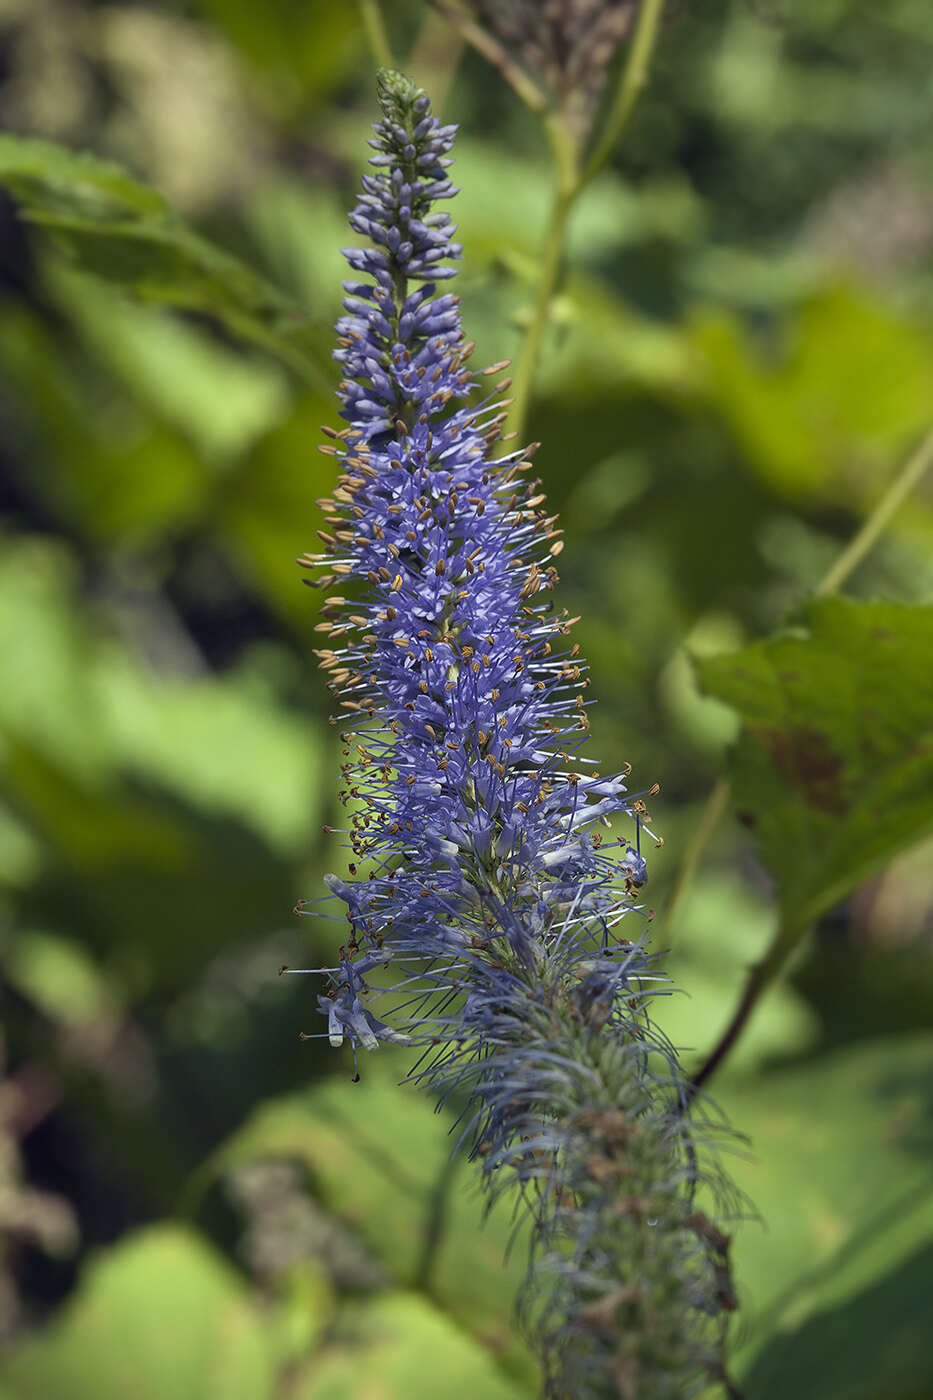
x=192, y=1202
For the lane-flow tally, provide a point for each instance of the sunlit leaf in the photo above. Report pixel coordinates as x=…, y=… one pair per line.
x=108, y=469
x=829, y=412
x=160, y=1317
x=218, y=744
x=169, y=810
x=218, y=400
x=399, y=1347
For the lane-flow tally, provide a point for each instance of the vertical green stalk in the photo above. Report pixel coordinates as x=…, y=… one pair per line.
x=566, y=188
x=570, y=178
x=907, y=478
x=713, y=809
x=376, y=33
x=634, y=79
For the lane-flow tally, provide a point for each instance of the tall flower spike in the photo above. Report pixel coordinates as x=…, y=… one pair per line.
x=488, y=888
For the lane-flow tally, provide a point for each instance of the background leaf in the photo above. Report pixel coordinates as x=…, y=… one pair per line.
x=120, y=230
x=872, y=1345
x=840, y=1156
x=398, y=1347
x=380, y=1161
x=162, y=1317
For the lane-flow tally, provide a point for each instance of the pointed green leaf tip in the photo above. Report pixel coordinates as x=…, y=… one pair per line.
x=397, y=97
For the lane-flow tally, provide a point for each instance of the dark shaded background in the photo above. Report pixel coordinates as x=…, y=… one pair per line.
x=192, y=1202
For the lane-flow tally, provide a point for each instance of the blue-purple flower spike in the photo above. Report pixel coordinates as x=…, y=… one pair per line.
x=488, y=885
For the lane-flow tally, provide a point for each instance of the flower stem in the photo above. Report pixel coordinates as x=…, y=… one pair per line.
x=569, y=180
x=376, y=33
x=494, y=53
x=566, y=188
x=632, y=80
x=764, y=972
x=902, y=485
x=713, y=809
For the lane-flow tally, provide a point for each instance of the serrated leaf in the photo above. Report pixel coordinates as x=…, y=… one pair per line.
x=833, y=770
x=160, y=1317
x=123, y=231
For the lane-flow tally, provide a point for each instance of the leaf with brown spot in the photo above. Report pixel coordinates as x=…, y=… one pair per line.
x=833, y=770
x=806, y=761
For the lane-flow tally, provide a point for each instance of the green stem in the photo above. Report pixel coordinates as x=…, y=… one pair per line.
x=376, y=33
x=494, y=53
x=898, y=491
x=569, y=180
x=713, y=809
x=566, y=188
x=632, y=80
x=763, y=973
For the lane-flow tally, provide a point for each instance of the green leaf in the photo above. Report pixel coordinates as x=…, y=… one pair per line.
x=268, y=513
x=52, y=180
x=128, y=234
x=875, y=1347
x=81, y=701
x=825, y=418
x=399, y=1347
x=219, y=744
x=46, y=700
x=220, y=401
x=840, y=1172
x=61, y=978
x=107, y=468
x=299, y=51
x=379, y=1159
x=833, y=770
x=160, y=1317
x=169, y=810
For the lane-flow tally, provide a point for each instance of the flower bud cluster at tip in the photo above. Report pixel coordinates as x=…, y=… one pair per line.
x=390, y=334
x=488, y=884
